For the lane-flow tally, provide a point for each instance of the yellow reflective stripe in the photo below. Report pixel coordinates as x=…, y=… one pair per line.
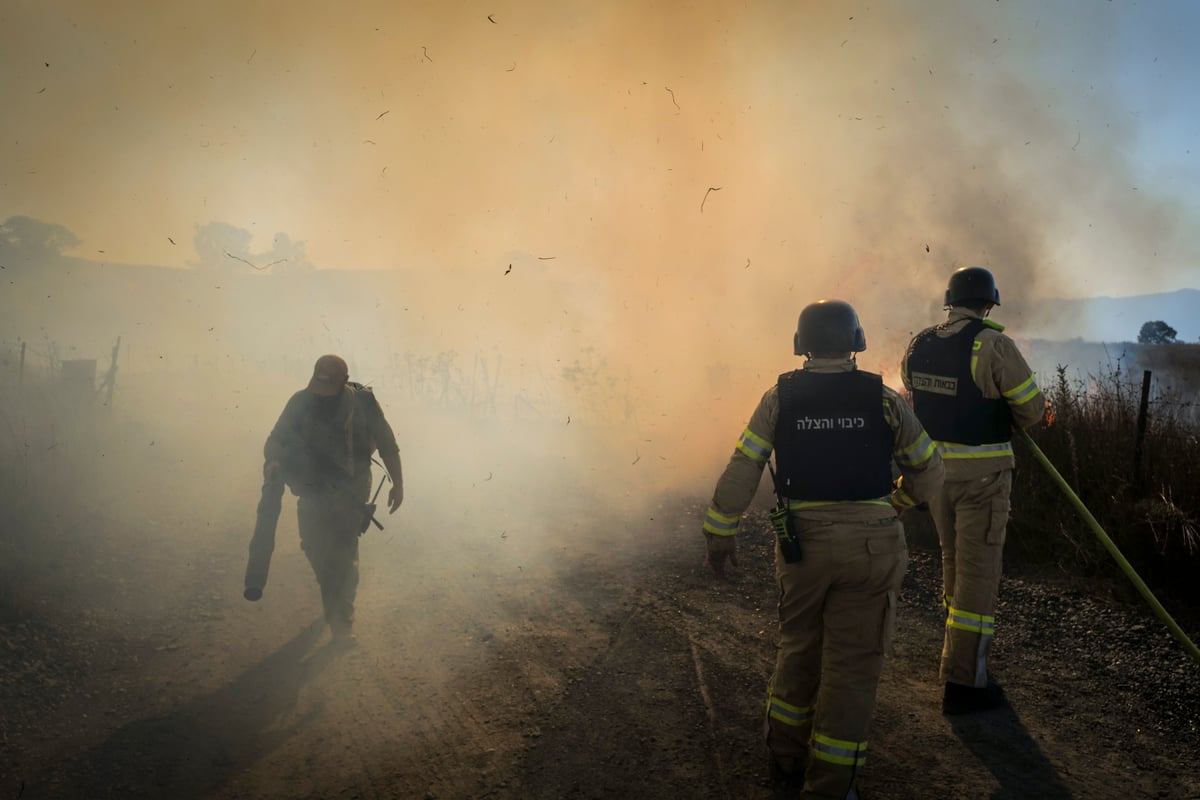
x=794, y=505
x=720, y=524
x=839, y=751
x=889, y=413
x=983, y=624
x=787, y=713
x=1023, y=393
x=955, y=450
x=918, y=452
x=754, y=446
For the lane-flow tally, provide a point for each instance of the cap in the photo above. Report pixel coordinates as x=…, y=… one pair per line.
x=330, y=373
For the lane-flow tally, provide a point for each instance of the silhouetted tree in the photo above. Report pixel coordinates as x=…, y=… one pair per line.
x=32, y=239
x=287, y=256
x=1157, y=332
x=220, y=245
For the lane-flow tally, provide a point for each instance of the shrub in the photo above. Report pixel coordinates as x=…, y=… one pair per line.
x=1145, y=493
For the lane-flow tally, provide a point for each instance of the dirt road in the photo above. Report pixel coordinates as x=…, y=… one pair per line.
x=597, y=658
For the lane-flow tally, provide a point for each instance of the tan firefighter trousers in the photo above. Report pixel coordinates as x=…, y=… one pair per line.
x=837, y=611
x=970, y=517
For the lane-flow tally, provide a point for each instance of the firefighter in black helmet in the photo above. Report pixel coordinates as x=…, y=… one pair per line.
x=971, y=285
x=828, y=326
x=835, y=431
x=970, y=385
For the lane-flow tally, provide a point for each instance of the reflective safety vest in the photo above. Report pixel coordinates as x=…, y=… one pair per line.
x=832, y=441
x=946, y=398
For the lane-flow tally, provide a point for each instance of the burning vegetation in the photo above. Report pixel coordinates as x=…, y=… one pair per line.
x=1126, y=441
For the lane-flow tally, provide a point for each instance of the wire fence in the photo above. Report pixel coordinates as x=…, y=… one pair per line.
x=479, y=384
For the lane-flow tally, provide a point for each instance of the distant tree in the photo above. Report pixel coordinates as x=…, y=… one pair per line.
x=287, y=256
x=220, y=245
x=34, y=239
x=1157, y=332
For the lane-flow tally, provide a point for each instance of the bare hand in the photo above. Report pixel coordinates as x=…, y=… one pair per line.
x=271, y=471
x=395, y=497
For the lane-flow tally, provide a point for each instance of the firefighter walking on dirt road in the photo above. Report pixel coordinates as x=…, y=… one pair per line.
x=835, y=431
x=322, y=447
x=970, y=385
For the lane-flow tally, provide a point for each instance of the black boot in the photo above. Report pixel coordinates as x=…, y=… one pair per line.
x=787, y=780
x=959, y=699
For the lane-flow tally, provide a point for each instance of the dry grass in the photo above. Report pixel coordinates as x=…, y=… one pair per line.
x=1144, y=490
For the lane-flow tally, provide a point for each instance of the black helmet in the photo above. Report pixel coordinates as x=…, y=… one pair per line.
x=972, y=285
x=829, y=326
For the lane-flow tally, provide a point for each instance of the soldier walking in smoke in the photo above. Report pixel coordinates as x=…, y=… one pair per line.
x=835, y=431
x=969, y=386
x=321, y=447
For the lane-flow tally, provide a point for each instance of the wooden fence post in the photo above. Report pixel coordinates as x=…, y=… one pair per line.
x=110, y=377
x=1143, y=410
x=112, y=373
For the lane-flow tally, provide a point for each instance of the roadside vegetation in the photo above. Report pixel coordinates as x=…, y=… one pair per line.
x=1135, y=464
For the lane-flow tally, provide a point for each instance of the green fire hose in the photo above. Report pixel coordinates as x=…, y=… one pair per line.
x=1126, y=567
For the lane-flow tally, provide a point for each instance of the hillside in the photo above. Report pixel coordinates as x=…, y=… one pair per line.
x=1106, y=319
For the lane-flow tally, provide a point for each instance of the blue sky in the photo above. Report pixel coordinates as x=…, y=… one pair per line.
x=1156, y=67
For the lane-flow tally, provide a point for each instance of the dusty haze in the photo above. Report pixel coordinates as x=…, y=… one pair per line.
x=567, y=244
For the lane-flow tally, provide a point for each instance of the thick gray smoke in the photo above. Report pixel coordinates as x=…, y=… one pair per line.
x=567, y=245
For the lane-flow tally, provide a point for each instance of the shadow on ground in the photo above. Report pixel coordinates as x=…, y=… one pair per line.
x=192, y=751
x=1003, y=745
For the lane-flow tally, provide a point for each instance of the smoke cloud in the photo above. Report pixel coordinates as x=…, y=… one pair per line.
x=566, y=243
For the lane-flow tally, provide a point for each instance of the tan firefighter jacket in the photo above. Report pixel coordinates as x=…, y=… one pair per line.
x=914, y=453
x=1000, y=371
